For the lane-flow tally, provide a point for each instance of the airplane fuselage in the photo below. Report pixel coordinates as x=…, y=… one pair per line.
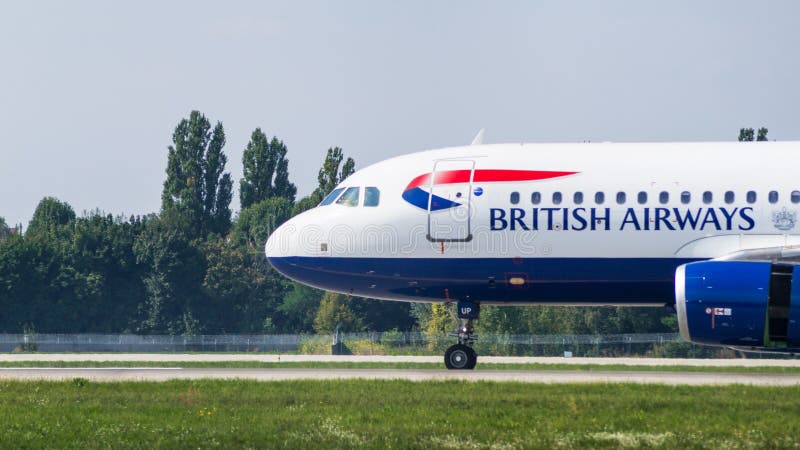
x=573, y=224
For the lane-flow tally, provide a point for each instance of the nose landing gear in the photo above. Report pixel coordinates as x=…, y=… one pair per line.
x=462, y=356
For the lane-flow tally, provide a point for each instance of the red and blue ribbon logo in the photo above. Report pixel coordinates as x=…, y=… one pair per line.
x=419, y=197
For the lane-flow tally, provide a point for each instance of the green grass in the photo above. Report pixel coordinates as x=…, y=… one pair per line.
x=401, y=365
x=393, y=414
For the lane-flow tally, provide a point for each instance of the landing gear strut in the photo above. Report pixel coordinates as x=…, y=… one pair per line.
x=462, y=356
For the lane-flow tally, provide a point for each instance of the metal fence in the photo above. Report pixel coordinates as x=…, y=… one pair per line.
x=392, y=342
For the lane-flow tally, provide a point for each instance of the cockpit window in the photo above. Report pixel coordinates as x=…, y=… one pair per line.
x=349, y=198
x=372, y=196
x=331, y=197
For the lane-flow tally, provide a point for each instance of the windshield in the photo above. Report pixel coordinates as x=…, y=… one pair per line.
x=331, y=197
x=349, y=198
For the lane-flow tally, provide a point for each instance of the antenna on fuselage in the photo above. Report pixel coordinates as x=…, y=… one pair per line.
x=478, y=139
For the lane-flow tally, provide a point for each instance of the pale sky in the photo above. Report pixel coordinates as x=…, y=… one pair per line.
x=91, y=91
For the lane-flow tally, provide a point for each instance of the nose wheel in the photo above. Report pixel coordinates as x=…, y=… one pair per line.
x=462, y=356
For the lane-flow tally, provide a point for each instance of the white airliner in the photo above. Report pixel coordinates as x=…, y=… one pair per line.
x=709, y=228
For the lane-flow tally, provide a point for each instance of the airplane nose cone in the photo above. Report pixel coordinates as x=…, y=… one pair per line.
x=293, y=248
x=277, y=248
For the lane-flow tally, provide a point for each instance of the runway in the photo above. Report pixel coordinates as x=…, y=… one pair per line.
x=483, y=360
x=525, y=376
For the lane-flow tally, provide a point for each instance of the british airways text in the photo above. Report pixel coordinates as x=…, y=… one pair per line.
x=646, y=219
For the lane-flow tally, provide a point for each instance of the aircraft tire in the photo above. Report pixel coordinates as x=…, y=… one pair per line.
x=460, y=357
x=473, y=358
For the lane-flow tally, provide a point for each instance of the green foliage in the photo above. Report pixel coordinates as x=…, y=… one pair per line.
x=335, y=309
x=306, y=203
x=330, y=175
x=381, y=315
x=5, y=231
x=266, y=171
x=299, y=308
x=196, y=185
x=51, y=214
x=749, y=134
x=186, y=270
x=257, y=222
x=441, y=321
x=435, y=319
x=70, y=274
x=174, y=265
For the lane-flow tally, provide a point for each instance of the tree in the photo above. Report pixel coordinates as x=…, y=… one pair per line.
x=749, y=134
x=266, y=288
x=266, y=171
x=175, y=266
x=333, y=310
x=330, y=175
x=196, y=184
x=440, y=321
x=382, y=315
x=299, y=308
x=5, y=231
x=50, y=214
x=258, y=221
x=242, y=290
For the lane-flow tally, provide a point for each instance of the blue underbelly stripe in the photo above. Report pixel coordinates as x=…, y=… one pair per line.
x=488, y=280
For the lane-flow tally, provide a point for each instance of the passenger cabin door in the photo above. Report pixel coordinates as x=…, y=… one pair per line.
x=449, y=201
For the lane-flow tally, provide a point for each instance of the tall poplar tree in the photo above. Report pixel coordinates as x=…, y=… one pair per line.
x=266, y=171
x=4, y=229
x=328, y=177
x=196, y=184
x=749, y=134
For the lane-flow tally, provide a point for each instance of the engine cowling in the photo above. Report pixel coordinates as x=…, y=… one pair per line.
x=744, y=304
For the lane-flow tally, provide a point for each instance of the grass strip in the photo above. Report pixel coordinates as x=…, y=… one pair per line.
x=399, y=365
x=393, y=414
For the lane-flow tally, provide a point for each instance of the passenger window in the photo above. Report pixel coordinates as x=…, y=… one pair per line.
x=686, y=197
x=349, y=198
x=331, y=197
x=641, y=197
x=599, y=198
x=577, y=198
x=751, y=196
x=663, y=197
x=620, y=198
x=729, y=197
x=773, y=196
x=536, y=198
x=372, y=196
x=795, y=196
x=707, y=197
x=556, y=198
x=514, y=198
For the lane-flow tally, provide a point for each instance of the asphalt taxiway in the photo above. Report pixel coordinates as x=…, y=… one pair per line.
x=171, y=369
x=483, y=360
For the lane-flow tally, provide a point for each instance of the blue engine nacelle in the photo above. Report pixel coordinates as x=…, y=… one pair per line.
x=745, y=304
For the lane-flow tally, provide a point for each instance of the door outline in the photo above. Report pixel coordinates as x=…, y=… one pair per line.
x=431, y=189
